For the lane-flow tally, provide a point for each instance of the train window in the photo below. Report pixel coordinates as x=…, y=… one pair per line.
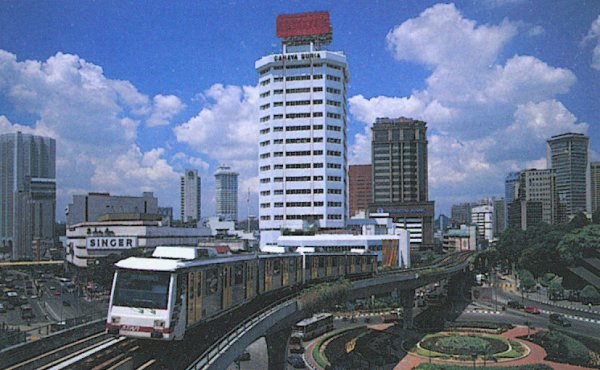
x=335, y=262
x=276, y=267
x=142, y=289
x=199, y=283
x=238, y=275
x=212, y=283
x=321, y=262
x=292, y=265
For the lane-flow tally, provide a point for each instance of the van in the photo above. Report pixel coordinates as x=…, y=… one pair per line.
x=559, y=320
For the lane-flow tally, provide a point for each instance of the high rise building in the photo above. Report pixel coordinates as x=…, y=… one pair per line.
x=461, y=213
x=226, y=188
x=190, y=196
x=595, y=186
x=400, y=179
x=359, y=179
x=27, y=194
x=483, y=217
x=510, y=185
x=539, y=186
x=568, y=157
x=302, y=144
x=499, y=218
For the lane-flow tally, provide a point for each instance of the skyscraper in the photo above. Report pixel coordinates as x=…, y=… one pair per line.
x=461, y=213
x=226, y=187
x=400, y=179
x=302, y=149
x=27, y=193
x=539, y=186
x=510, y=193
x=360, y=180
x=568, y=156
x=595, y=185
x=190, y=196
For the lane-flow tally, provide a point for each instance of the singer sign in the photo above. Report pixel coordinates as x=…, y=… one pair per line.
x=112, y=242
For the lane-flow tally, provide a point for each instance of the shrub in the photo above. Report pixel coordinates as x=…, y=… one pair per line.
x=562, y=348
x=425, y=366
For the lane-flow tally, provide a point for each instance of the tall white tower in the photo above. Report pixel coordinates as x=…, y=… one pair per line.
x=190, y=196
x=303, y=130
x=226, y=193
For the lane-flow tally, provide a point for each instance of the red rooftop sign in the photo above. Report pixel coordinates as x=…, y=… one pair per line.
x=303, y=24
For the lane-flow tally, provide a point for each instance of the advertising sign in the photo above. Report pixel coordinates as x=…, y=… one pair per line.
x=111, y=242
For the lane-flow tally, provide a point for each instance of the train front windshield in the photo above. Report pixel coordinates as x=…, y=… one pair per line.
x=142, y=289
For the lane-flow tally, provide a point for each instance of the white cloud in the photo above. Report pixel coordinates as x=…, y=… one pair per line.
x=95, y=121
x=486, y=116
x=164, y=107
x=593, y=35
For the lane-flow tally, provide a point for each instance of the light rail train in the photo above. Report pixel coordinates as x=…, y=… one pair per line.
x=163, y=296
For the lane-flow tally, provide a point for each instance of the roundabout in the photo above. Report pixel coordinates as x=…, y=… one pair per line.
x=458, y=347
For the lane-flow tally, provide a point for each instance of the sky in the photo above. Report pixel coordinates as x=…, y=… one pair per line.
x=136, y=92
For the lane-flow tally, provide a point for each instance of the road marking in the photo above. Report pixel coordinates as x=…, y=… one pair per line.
x=147, y=364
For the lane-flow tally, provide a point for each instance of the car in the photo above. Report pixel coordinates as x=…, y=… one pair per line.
x=532, y=310
x=66, y=303
x=296, y=348
x=296, y=361
x=56, y=293
x=2, y=308
x=52, y=287
x=559, y=319
x=245, y=356
x=515, y=305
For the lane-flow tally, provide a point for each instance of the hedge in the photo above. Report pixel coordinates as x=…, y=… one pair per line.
x=563, y=348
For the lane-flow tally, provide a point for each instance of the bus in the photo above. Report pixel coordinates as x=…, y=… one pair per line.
x=27, y=312
x=313, y=327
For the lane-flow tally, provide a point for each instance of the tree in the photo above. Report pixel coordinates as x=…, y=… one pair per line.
x=578, y=221
x=579, y=243
x=589, y=294
x=510, y=245
x=527, y=280
x=555, y=290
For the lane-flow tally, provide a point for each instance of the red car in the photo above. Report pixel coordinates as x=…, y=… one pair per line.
x=531, y=309
x=56, y=293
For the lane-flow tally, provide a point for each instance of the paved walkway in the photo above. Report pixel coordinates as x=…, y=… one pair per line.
x=536, y=356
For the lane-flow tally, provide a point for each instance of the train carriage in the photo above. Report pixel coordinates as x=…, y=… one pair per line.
x=276, y=271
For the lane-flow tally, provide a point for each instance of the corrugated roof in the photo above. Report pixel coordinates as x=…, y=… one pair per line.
x=586, y=275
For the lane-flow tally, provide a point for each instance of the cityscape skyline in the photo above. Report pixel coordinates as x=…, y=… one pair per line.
x=486, y=116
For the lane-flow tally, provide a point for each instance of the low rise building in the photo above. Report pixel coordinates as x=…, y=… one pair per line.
x=460, y=240
x=90, y=242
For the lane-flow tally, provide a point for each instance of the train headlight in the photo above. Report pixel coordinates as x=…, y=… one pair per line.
x=159, y=324
x=115, y=320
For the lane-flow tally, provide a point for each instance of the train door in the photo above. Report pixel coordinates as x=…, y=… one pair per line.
x=191, y=298
x=363, y=264
x=285, y=280
x=341, y=265
x=328, y=265
x=299, y=270
x=268, y=275
x=314, y=267
x=227, y=290
x=198, y=287
x=351, y=264
x=249, y=280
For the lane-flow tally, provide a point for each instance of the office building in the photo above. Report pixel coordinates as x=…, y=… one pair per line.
x=460, y=214
x=27, y=194
x=302, y=128
x=525, y=213
x=190, y=196
x=400, y=178
x=499, y=218
x=568, y=157
x=595, y=186
x=226, y=193
x=359, y=179
x=539, y=186
x=92, y=206
x=482, y=216
x=510, y=192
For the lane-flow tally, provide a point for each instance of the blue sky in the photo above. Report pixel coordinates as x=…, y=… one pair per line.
x=134, y=93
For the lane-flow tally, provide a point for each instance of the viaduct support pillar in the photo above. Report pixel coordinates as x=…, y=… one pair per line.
x=277, y=348
x=408, y=301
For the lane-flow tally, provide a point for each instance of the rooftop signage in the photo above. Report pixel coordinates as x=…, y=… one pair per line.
x=113, y=242
x=303, y=24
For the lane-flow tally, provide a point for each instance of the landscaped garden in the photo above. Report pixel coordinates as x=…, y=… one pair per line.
x=569, y=348
x=466, y=347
